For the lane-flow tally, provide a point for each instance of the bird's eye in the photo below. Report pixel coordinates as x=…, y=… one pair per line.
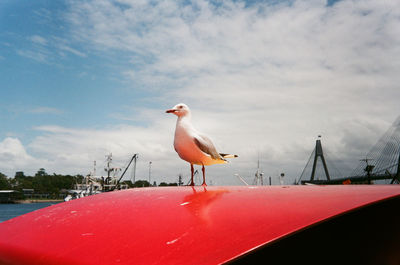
x=180, y=107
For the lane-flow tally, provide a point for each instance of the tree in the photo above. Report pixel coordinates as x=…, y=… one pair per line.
x=4, y=182
x=19, y=174
x=43, y=183
x=128, y=182
x=167, y=184
x=41, y=172
x=141, y=183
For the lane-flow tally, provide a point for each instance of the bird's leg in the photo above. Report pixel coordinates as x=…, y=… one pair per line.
x=191, y=179
x=204, y=176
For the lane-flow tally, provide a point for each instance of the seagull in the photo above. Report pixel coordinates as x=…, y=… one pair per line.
x=191, y=145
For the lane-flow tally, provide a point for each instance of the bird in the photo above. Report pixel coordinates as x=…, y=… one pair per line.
x=193, y=146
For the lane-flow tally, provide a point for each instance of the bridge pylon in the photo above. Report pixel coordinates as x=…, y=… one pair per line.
x=319, y=154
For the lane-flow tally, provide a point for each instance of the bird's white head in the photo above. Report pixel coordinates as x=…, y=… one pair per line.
x=179, y=110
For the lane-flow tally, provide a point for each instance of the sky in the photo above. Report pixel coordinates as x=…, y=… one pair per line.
x=82, y=79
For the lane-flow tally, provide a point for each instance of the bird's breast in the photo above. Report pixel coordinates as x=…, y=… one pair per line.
x=187, y=149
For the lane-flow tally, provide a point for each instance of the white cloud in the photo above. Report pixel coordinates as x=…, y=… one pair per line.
x=39, y=56
x=63, y=44
x=76, y=149
x=262, y=55
x=262, y=78
x=38, y=40
x=269, y=77
x=49, y=50
x=42, y=110
x=72, y=50
x=11, y=148
x=13, y=157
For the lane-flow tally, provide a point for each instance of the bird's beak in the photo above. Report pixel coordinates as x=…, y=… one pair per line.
x=170, y=111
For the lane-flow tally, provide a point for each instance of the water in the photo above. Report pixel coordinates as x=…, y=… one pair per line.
x=8, y=211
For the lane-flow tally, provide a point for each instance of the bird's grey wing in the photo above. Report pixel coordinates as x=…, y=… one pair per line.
x=206, y=145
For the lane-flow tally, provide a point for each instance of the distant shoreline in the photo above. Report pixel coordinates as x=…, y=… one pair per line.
x=37, y=201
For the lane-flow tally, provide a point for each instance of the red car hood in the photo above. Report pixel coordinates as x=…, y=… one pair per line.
x=175, y=225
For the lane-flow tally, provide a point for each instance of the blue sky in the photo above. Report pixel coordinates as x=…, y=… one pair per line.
x=47, y=83
x=80, y=79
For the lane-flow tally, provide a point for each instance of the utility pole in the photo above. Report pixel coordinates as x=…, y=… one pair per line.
x=368, y=169
x=133, y=173
x=149, y=173
x=134, y=169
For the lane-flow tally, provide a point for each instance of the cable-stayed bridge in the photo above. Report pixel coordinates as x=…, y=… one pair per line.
x=380, y=163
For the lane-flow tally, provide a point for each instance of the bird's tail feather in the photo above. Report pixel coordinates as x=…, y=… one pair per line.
x=227, y=155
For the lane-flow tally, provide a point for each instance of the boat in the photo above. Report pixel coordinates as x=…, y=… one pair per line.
x=90, y=187
x=93, y=184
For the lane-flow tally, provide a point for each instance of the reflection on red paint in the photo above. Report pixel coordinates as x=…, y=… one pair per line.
x=200, y=203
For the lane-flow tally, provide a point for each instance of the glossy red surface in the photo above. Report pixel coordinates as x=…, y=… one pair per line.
x=179, y=225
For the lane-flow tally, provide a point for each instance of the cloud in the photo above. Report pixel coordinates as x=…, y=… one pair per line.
x=12, y=148
x=38, y=56
x=262, y=55
x=38, y=51
x=261, y=78
x=13, y=157
x=57, y=43
x=38, y=40
x=51, y=49
x=49, y=110
x=267, y=77
x=76, y=149
x=72, y=50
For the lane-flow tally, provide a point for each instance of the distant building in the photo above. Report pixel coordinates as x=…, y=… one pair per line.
x=28, y=193
x=7, y=196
